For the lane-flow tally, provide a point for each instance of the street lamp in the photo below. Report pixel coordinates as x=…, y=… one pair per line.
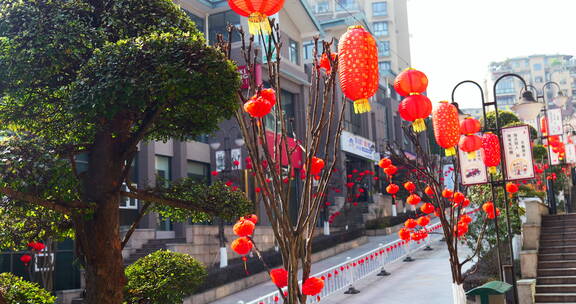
x=528, y=109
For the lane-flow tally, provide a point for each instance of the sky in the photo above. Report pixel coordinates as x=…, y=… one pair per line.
x=455, y=40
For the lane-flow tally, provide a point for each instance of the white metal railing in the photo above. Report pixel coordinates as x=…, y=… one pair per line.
x=343, y=275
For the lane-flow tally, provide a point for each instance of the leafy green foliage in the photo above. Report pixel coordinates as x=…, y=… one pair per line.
x=163, y=277
x=18, y=291
x=539, y=154
x=505, y=118
x=216, y=198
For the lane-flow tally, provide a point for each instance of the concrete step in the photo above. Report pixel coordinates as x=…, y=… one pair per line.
x=557, y=264
x=557, y=236
x=555, y=297
x=557, y=249
x=556, y=272
x=556, y=288
x=556, y=256
x=556, y=280
x=554, y=243
x=559, y=216
x=558, y=229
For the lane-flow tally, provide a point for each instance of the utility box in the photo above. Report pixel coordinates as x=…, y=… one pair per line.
x=490, y=293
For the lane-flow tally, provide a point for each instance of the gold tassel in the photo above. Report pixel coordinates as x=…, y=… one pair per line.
x=258, y=22
x=472, y=155
x=450, y=151
x=492, y=170
x=419, y=125
x=361, y=106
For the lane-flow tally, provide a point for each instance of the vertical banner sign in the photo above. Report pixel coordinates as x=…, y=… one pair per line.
x=245, y=75
x=571, y=153
x=555, y=122
x=220, y=160
x=448, y=175
x=554, y=157
x=472, y=171
x=236, y=156
x=518, y=153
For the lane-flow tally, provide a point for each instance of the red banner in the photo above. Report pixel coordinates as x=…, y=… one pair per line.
x=295, y=158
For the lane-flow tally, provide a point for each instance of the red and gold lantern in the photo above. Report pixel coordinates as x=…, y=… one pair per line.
x=409, y=186
x=413, y=199
x=358, y=67
x=470, y=142
x=427, y=208
x=415, y=108
x=257, y=12
x=410, y=81
x=244, y=228
x=491, y=147
x=410, y=223
x=384, y=163
x=404, y=234
x=446, y=127
x=423, y=221
x=242, y=245
x=392, y=189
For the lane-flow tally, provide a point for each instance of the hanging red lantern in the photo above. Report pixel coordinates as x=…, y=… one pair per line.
x=429, y=191
x=413, y=199
x=458, y=198
x=392, y=189
x=243, y=228
x=415, y=108
x=427, y=208
x=279, y=277
x=316, y=166
x=465, y=219
x=512, y=188
x=409, y=186
x=26, y=258
x=312, y=286
x=447, y=193
x=404, y=234
x=466, y=203
x=410, y=223
x=469, y=126
x=358, y=67
x=258, y=107
x=252, y=217
x=242, y=245
x=470, y=142
x=491, y=147
x=384, y=163
x=446, y=127
x=410, y=81
x=257, y=12
x=325, y=63
x=390, y=170
x=423, y=221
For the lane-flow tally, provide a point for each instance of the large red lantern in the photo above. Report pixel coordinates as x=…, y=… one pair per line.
x=404, y=234
x=312, y=286
x=413, y=199
x=242, y=245
x=257, y=12
x=392, y=189
x=423, y=221
x=470, y=142
x=415, y=109
x=316, y=166
x=358, y=67
x=244, y=228
x=446, y=127
x=410, y=81
x=427, y=208
x=491, y=147
x=279, y=277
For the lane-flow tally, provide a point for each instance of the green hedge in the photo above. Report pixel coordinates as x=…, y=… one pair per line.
x=18, y=291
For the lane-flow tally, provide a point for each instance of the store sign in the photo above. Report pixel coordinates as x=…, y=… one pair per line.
x=571, y=153
x=555, y=122
x=472, y=170
x=358, y=145
x=554, y=157
x=245, y=75
x=518, y=153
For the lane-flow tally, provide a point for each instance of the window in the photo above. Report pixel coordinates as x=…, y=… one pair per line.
x=128, y=202
x=163, y=168
x=381, y=28
x=293, y=52
x=342, y=5
x=537, y=67
x=217, y=24
x=199, y=171
x=202, y=138
x=383, y=48
x=43, y=261
x=505, y=86
x=384, y=67
x=322, y=7
x=197, y=20
x=379, y=9
x=308, y=51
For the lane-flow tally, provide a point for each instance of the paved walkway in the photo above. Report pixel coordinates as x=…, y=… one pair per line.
x=265, y=288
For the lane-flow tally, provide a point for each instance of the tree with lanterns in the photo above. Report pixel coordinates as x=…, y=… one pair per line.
x=107, y=75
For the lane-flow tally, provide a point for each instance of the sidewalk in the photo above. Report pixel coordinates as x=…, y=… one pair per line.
x=265, y=288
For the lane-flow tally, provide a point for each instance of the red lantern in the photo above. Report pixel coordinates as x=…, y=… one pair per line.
x=244, y=228
x=312, y=286
x=410, y=81
x=415, y=108
x=325, y=63
x=390, y=170
x=392, y=189
x=404, y=234
x=257, y=12
x=423, y=221
x=258, y=107
x=26, y=258
x=447, y=193
x=427, y=208
x=242, y=245
x=413, y=199
x=410, y=223
x=458, y=197
x=446, y=127
x=469, y=126
x=358, y=67
x=491, y=147
x=512, y=188
x=470, y=144
x=409, y=186
x=316, y=165
x=384, y=163
x=279, y=277
x=465, y=219
x=253, y=218
x=429, y=191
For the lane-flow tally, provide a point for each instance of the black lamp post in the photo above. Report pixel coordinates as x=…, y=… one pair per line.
x=529, y=109
x=525, y=98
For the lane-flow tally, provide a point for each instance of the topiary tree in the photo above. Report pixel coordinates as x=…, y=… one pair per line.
x=14, y=289
x=505, y=118
x=163, y=277
x=106, y=76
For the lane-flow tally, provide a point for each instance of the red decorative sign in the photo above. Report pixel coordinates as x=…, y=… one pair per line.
x=245, y=75
x=295, y=157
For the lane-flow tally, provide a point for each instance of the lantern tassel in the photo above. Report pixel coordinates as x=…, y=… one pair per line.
x=419, y=125
x=361, y=106
x=450, y=151
x=472, y=155
x=492, y=170
x=258, y=22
